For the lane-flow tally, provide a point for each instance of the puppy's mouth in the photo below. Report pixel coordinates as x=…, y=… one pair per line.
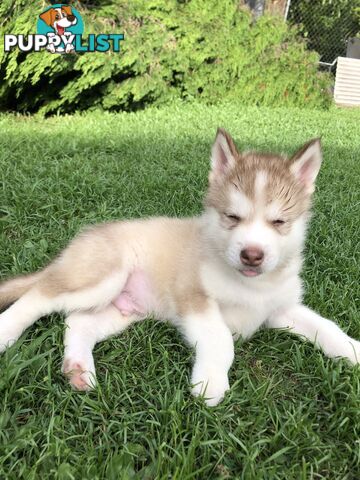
x=60, y=30
x=250, y=272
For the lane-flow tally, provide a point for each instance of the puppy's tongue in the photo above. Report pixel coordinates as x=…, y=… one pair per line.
x=249, y=273
x=60, y=30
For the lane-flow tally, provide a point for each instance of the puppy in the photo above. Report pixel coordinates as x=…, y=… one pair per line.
x=228, y=272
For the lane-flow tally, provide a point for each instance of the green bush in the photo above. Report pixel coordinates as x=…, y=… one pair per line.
x=203, y=49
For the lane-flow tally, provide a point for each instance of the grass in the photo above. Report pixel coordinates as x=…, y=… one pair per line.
x=291, y=413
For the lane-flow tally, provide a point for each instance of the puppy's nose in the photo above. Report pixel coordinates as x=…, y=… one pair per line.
x=71, y=18
x=252, y=256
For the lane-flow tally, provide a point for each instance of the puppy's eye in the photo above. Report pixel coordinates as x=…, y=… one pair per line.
x=233, y=218
x=278, y=222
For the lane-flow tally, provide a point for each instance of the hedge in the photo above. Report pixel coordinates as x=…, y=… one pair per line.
x=197, y=49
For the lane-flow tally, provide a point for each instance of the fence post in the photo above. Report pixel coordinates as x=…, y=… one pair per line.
x=287, y=9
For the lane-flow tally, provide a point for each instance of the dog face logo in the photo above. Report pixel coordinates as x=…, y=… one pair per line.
x=60, y=23
x=59, y=18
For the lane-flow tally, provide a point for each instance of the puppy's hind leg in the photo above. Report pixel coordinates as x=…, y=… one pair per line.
x=20, y=315
x=35, y=303
x=83, y=331
x=88, y=274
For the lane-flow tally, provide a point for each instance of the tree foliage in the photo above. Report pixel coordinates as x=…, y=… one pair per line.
x=191, y=49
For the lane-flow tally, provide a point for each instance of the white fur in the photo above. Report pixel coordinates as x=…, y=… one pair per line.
x=277, y=249
x=23, y=313
x=324, y=333
x=259, y=188
x=240, y=204
x=214, y=353
x=83, y=331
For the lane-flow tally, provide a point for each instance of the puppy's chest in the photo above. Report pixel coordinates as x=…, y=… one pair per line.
x=243, y=312
x=242, y=321
x=229, y=290
x=244, y=308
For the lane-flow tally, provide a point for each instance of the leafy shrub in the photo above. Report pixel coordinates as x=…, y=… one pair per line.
x=195, y=49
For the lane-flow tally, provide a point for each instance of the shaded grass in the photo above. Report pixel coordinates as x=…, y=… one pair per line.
x=291, y=413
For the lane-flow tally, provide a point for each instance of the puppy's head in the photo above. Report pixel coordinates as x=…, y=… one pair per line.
x=59, y=18
x=257, y=204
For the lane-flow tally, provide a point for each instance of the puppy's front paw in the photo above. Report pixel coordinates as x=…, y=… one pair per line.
x=209, y=384
x=81, y=374
x=354, y=352
x=346, y=347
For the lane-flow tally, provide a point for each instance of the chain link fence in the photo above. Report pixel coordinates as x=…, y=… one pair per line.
x=326, y=24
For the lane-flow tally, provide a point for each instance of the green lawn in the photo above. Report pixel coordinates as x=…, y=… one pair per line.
x=291, y=413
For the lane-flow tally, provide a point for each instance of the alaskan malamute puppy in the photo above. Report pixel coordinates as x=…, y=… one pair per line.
x=228, y=272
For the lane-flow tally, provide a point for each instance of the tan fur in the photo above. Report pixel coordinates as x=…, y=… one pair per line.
x=67, y=9
x=103, y=249
x=177, y=267
x=88, y=259
x=49, y=16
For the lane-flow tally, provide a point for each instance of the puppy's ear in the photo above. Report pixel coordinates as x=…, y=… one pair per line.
x=48, y=17
x=305, y=164
x=67, y=9
x=223, y=154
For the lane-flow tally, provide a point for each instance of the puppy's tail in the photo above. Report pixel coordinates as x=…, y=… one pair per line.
x=13, y=289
